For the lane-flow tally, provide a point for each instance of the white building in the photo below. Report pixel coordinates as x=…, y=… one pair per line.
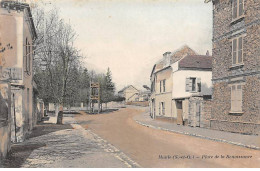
x=130, y=93
x=191, y=76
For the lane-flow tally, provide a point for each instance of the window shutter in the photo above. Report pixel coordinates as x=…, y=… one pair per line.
x=240, y=50
x=199, y=84
x=233, y=91
x=234, y=51
x=234, y=11
x=241, y=7
x=164, y=85
x=187, y=84
x=160, y=86
x=239, y=98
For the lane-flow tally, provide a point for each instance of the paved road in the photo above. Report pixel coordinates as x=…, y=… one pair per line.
x=156, y=148
x=66, y=146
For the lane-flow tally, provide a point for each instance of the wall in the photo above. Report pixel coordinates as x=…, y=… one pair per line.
x=5, y=142
x=179, y=82
x=130, y=94
x=205, y=111
x=248, y=74
x=166, y=96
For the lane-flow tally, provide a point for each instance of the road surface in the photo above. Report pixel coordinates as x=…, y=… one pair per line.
x=156, y=148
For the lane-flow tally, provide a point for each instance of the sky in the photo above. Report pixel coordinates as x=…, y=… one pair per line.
x=129, y=36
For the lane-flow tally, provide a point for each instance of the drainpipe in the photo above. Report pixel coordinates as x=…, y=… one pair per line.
x=15, y=137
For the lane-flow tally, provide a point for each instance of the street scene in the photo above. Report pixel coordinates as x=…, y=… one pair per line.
x=129, y=84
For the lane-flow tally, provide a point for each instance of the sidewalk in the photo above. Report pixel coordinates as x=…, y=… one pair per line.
x=65, y=146
x=249, y=141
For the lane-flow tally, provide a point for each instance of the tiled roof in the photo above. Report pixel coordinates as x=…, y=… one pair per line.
x=127, y=88
x=196, y=61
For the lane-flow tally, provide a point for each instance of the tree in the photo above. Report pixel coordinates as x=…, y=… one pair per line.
x=108, y=88
x=57, y=53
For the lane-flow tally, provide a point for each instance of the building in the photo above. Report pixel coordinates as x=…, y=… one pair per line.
x=143, y=96
x=17, y=34
x=162, y=83
x=130, y=93
x=236, y=69
x=191, y=85
x=175, y=82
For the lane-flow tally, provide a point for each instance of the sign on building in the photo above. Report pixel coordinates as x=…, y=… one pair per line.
x=10, y=73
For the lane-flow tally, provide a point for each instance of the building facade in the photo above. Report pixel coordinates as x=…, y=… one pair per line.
x=171, y=81
x=130, y=93
x=191, y=77
x=236, y=69
x=17, y=36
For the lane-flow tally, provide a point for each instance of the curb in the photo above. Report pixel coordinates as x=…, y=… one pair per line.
x=199, y=136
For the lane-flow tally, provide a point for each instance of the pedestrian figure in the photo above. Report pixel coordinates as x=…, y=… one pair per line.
x=60, y=116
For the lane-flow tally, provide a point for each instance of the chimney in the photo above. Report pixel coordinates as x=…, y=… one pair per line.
x=207, y=53
x=166, y=58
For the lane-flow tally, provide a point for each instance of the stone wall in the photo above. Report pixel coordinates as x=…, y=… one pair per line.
x=5, y=142
x=247, y=74
x=204, y=106
x=248, y=121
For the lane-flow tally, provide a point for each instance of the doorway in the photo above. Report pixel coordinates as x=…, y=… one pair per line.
x=179, y=112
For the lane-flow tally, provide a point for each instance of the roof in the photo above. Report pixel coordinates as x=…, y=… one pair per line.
x=13, y=5
x=127, y=88
x=174, y=57
x=196, y=62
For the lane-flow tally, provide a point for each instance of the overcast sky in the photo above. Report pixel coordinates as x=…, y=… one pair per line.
x=129, y=36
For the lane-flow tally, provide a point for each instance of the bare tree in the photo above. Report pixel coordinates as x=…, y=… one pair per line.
x=55, y=56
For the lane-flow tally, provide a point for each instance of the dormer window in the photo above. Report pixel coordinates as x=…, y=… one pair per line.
x=237, y=9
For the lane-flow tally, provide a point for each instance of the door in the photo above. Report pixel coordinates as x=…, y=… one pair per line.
x=198, y=114
x=153, y=109
x=179, y=112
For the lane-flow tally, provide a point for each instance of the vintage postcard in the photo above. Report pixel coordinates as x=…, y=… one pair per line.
x=129, y=83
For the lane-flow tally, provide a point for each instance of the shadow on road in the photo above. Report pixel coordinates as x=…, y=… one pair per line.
x=44, y=128
x=105, y=111
x=20, y=152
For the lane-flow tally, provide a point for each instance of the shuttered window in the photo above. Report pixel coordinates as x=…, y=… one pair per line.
x=237, y=8
x=160, y=86
x=236, y=98
x=237, y=50
x=163, y=86
x=193, y=84
x=199, y=84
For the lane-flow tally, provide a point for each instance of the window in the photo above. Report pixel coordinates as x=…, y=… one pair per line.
x=28, y=51
x=237, y=8
x=237, y=48
x=236, y=98
x=162, y=86
x=193, y=84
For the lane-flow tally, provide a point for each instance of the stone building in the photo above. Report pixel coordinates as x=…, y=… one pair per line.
x=17, y=36
x=236, y=69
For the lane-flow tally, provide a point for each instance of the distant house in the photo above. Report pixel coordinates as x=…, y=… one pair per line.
x=175, y=81
x=130, y=93
x=143, y=96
